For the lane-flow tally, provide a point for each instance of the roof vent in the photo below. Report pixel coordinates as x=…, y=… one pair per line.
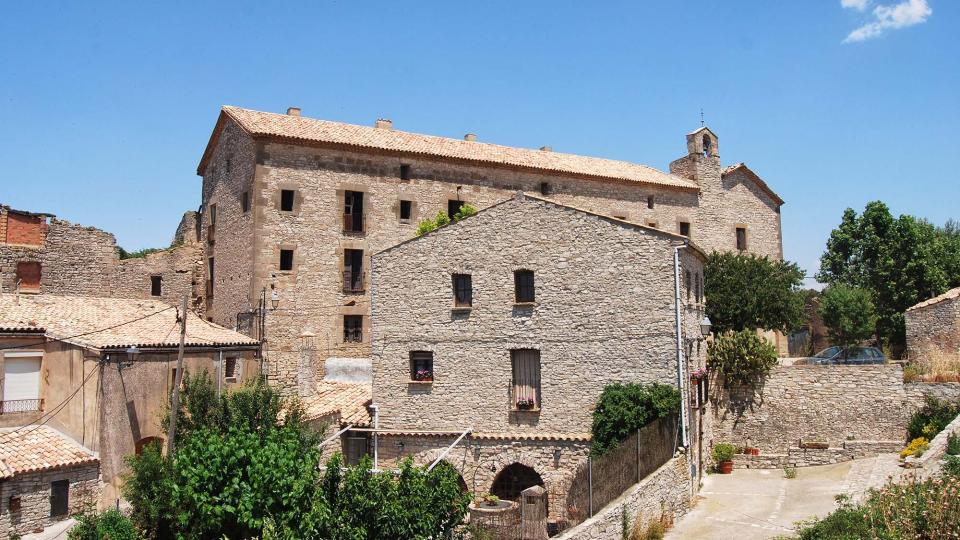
x=384, y=123
x=293, y=111
x=546, y=148
x=470, y=137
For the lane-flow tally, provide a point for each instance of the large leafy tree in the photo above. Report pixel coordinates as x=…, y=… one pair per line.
x=746, y=292
x=848, y=313
x=899, y=261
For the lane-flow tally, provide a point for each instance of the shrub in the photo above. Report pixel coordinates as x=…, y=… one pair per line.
x=723, y=452
x=624, y=408
x=111, y=525
x=916, y=448
x=742, y=357
x=932, y=418
x=846, y=523
x=790, y=473
x=442, y=219
x=951, y=466
x=953, y=444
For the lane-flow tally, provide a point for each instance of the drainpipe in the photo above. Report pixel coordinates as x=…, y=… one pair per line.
x=376, y=425
x=681, y=362
x=220, y=373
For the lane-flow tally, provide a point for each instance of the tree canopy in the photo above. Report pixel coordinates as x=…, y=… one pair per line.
x=746, y=292
x=848, y=313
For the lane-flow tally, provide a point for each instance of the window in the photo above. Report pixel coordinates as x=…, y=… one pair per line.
x=212, y=225
x=21, y=382
x=462, y=290
x=453, y=207
x=652, y=224
x=354, y=448
x=286, y=260
x=59, y=498
x=213, y=214
x=684, y=228
x=699, y=286
x=353, y=270
x=352, y=328
x=245, y=202
x=406, y=210
x=742, y=238
x=404, y=172
x=650, y=202
x=156, y=285
x=353, y=212
x=545, y=188
x=523, y=286
x=28, y=274
x=421, y=366
x=286, y=200
x=230, y=369
x=526, y=378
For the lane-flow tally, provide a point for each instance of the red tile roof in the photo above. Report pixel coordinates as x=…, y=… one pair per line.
x=40, y=448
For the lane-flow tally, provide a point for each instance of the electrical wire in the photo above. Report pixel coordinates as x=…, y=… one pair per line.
x=53, y=412
x=46, y=339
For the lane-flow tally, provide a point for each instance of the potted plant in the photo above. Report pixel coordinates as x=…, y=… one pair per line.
x=723, y=456
x=526, y=404
x=424, y=375
x=491, y=500
x=699, y=374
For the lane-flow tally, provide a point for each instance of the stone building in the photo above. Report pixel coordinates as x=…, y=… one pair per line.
x=510, y=323
x=933, y=328
x=100, y=370
x=44, y=477
x=40, y=253
x=293, y=207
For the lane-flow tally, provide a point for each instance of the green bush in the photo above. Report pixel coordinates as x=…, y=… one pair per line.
x=723, y=452
x=741, y=357
x=953, y=444
x=951, y=467
x=846, y=523
x=110, y=525
x=932, y=418
x=746, y=292
x=443, y=219
x=624, y=408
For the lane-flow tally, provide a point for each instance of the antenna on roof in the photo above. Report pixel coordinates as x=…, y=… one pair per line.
x=701, y=116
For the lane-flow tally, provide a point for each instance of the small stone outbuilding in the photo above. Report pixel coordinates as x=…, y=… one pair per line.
x=933, y=327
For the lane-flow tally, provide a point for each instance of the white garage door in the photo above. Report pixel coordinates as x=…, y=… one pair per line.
x=21, y=376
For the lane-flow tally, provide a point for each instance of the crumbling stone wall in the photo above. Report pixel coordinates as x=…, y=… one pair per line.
x=933, y=329
x=34, y=492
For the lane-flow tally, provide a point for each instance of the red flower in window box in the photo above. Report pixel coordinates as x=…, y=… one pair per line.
x=526, y=404
x=423, y=375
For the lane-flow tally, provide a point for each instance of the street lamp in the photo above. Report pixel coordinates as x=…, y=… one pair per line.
x=705, y=326
x=132, y=353
x=274, y=299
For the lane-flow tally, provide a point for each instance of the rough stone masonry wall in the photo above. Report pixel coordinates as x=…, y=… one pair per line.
x=604, y=313
x=934, y=329
x=34, y=492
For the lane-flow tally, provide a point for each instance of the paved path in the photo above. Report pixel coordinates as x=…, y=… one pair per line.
x=758, y=504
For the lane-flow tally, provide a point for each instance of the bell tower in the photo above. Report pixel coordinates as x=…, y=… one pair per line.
x=702, y=162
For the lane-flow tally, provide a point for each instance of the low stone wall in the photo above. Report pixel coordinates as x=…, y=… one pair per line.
x=33, y=489
x=808, y=457
x=665, y=492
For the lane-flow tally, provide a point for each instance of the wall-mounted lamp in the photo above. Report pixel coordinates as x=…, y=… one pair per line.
x=274, y=299
x=399, y=445
x=705, y=326
x=132, y=353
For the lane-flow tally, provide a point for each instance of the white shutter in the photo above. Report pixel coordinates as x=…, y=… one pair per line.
x=21, y=376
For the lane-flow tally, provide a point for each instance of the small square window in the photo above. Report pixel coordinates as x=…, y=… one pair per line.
x=545, y=188
x=15, y=504
x=286, y=260
x=462, y=290
x=230, y=369
x=652, y=224
x=353, y=328
x=421, y=366
x=742, y=238
x=404, y=172
x=684, y=228
x=156, y=285
x=406, y=210
x=650, y=202
x=523, y=286
x=286, y=200
x=245, y=202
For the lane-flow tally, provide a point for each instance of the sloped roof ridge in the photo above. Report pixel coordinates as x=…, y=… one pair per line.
x=949, y=295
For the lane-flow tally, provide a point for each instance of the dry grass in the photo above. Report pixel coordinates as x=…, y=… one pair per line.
x=650, y=530
x=934, y=365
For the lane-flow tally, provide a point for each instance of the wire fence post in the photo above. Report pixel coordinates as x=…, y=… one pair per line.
x=638, y=456
x=590, y=482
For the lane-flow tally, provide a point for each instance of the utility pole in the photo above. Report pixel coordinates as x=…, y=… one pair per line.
x=175, y=400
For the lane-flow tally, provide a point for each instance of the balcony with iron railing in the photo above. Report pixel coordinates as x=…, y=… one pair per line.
x=12, y=406
x=353, y=282
x=353, y=334
x=354, y=224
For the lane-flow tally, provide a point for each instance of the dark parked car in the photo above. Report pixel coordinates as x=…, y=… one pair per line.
x=850, y=355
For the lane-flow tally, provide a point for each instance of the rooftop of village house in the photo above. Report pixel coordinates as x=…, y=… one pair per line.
x=38, y=448
x=949, y=295
x=110, y=323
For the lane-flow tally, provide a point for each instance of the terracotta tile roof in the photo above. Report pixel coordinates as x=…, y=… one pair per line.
x=103, y=323
x=343, y=402
x=756, y=179
x=949, y=295
x=39, y=448
x=310, y=130
x=535, y=436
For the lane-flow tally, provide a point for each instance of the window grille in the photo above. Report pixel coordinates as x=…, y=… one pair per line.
x=523, y=286
x=462, y=290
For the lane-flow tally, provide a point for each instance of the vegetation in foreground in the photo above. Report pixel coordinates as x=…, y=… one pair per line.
x=624, y=408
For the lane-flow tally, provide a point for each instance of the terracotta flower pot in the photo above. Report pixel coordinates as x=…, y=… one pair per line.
x=726, y=467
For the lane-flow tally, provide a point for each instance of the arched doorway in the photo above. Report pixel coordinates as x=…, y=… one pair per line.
x=142, y=443
x=514, y=479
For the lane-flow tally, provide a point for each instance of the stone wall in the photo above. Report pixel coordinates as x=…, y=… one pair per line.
x=666, y=493
x=933, y=328
x=34, y=492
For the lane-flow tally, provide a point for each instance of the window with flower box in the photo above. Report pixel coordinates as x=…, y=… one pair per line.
x=421, y=366
x=525, y=387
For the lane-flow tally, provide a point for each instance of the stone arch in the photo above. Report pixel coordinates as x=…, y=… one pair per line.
x=707, y=145
x=513, y=479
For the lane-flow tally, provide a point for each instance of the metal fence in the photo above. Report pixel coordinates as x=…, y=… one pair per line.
x=21, y=405
x=602, y=479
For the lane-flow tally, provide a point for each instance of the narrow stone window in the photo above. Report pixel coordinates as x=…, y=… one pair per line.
x=462, y=290
x=689, y=285
x=212, y=225
x=684, y=228
x=287, y=197
x=406, y=210
x=699, y=285
x=59, y=498
x=453, y=207
x=353, y=220
x=286, y=260
x=650, y=202
x=526, y=379
x=742, y=238
x=245, y=202
x=523, y=286
x=421, y=366
x=706, y=145
x=230, y=369
x=404, y=172
x=545, y=188
x=352, y=328
x=156, y=285
x=210, y=268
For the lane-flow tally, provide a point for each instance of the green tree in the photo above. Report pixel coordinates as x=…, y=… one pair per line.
x=741, y=357
x=624, y=408
x=745, y=291
x=848, y=313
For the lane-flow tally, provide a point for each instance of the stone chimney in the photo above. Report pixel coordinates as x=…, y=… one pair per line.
x=472, y=137
x=384, y=123
x=293, y=111
x=546, y=149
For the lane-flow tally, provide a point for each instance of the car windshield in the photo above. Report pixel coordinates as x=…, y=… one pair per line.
x=828, y=353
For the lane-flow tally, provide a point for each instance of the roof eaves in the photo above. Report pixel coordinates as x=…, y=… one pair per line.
x=756, y=179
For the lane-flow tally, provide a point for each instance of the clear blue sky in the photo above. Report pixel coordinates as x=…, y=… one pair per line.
x=105, y=109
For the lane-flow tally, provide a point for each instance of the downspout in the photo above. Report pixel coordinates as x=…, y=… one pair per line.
x=376, y=424
x=220, y=373
x=681, y=362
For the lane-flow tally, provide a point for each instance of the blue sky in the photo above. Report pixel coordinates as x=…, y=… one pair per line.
x=105, y=108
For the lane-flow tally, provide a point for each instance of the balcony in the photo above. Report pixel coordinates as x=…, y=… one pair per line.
x=354, y=224
x=353, y=282
x=21, y=406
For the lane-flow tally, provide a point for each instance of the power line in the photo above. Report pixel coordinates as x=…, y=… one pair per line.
x=53, y=412
x=87, y=333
